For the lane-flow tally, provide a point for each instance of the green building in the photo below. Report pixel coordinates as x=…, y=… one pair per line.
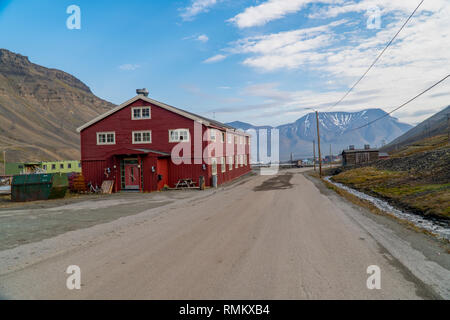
x=14, y=168
x=65, y=166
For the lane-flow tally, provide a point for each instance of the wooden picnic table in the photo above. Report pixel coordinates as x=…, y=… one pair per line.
x=185, y=183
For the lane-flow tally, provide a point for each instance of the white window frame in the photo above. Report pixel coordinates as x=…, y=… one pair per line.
x=106, y=143
x=229, y=138
x=214, y=166
x=212, y=135
x=222, y=137
x=230, y=163
x=245, y=160
x=178, y=140
x=236, y=160
x=223, y=164
x=142, y=136
x=140, y=112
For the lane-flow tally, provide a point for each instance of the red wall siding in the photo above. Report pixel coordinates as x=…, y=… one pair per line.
x=150, y=178
x=161, y=122
x=96, y=158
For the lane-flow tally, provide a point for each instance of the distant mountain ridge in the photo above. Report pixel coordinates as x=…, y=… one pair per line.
x=41, y=108
x=335, y=129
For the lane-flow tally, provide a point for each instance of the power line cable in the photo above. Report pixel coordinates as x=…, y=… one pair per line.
x=378, y=57
x=403, y=105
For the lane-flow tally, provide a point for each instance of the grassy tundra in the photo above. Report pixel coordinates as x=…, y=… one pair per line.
x=416, y=178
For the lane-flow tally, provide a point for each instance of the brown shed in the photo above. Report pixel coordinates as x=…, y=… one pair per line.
x=354, y=156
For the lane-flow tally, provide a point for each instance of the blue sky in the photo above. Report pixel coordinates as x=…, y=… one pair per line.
x=263, y=62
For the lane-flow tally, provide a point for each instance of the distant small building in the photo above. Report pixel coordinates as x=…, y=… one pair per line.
x=354, y=156
x=384, y=155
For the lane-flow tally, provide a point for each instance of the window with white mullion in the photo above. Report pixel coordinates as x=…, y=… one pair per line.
x=223, y=164
x=140, y=113
x=179, y=135
x=106, y=138
x=141, y=137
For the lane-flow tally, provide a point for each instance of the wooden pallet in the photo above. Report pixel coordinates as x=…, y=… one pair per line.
x=107, y=186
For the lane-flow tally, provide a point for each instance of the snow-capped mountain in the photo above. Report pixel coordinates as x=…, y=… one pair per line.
x=335, y=130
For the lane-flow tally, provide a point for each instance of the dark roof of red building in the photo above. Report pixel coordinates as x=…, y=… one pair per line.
x=360, y=150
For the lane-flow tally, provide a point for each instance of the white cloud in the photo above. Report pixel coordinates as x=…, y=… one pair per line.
x=216, y=58
x=197, y=7
x=129, y=67
x=271, y=10
x=290, y=49
x=417, y=59
x=202, y=38
x=386, y=7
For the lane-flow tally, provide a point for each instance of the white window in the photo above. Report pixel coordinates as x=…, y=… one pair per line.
x=212, y=135
x=106, y=138
x=223, y=137
x=230, y=138
x=245, y=160
x=230, y=163
x=141, y=137
x=241, y=140
x=236, y=139
x=179, y=135
x=236, y=162
x=223, y=164
x=140, y=113
x=214, y=166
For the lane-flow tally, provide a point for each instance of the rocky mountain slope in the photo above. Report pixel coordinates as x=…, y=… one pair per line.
x=40, y=109
x=335, y=129
x=438, y=124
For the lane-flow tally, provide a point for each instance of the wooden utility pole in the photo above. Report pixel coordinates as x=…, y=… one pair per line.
x=4, y=162
x=318, y=144
x=314, y=152
x=331, y=158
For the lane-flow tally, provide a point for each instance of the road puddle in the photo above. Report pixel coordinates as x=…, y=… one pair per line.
x=279, y=182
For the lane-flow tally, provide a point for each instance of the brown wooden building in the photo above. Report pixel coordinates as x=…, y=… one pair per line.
x=354, y=156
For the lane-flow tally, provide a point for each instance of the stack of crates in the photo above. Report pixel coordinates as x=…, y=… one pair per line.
x=77, y=183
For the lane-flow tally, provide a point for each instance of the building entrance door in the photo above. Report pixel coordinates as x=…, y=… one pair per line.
x=132, y=175
x=163, y=173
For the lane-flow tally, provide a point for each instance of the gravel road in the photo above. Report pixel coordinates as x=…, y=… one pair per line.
x=265, y=237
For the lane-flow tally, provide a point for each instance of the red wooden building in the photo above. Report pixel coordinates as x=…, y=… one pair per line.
x=145, y=145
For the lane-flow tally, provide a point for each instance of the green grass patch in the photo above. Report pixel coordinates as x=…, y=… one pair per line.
x=402, y=188
x=411, y=190
x=427, y=144
x=367, y=176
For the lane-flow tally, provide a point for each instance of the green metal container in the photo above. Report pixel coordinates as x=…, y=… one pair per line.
x=32, y=187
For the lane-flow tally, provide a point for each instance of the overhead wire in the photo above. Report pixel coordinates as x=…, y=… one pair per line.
x=378, y=57
x=401, y=106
